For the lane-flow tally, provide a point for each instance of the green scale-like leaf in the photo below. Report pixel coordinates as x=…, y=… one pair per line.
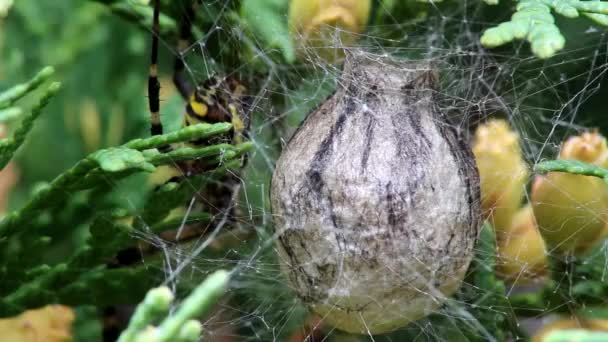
x=9, y=97
x=180, y=326
x=534, y=22
x=572, y=166
x=85, y=270
x=9, y=146
x=129, y=158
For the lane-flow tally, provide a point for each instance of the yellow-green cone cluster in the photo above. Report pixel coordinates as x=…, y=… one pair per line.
x=90, y=125
x=572, y=210
x=521, y=252
x=502, y=171
x=567, y=213
x=589, y=147
x=52, y=323
x=522, y=256
x=325, y=27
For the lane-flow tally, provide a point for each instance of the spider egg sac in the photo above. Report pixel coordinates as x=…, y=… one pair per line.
x=376, y=200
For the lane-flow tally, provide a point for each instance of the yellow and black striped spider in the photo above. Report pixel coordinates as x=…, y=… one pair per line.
x=217, y=99
x=213, y=100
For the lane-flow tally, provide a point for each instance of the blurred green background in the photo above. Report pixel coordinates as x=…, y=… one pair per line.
x=101, y=61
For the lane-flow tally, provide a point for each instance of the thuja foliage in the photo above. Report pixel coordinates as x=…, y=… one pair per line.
x=8, y=146
x=181, y=325
x=534, y=22
x=575, y=167
x=84, y=275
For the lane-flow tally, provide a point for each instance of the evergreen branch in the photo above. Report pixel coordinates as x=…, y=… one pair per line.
x=534, y=22
x=172, y=194
x=157, y=303
x=222, y=152
x=86, y=273
x=190, y=133
x=34, y=293
x=71, y=286
x=20, y=266
x=216, y=154
x=190, y=331
x=108, y=236
x=87, y=173
x=181, y=326
x=576, y=167
x=601, y=19
x=9, y=97
x=197, y=303
x=9, y=146
x=55, y=193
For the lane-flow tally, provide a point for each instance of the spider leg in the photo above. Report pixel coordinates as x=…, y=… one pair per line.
x=153, y=84
x=185, y=36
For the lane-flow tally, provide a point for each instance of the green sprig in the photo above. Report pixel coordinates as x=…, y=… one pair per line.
x=86, y=269
x=124, y=160
x=190, y=133
x=9, y=97
x=534, y=22
x=9, y=146
x=576, y=167
x=181, y=326
x=200, y=301
x=157, y=303
x=66, y=284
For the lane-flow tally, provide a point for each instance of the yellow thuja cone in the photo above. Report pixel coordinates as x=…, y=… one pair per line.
x=90, y=125
x=52, y=323
x=589, y=147
x=325, y=27
x=522, y=256
x=502, y=171
x=571, y=210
